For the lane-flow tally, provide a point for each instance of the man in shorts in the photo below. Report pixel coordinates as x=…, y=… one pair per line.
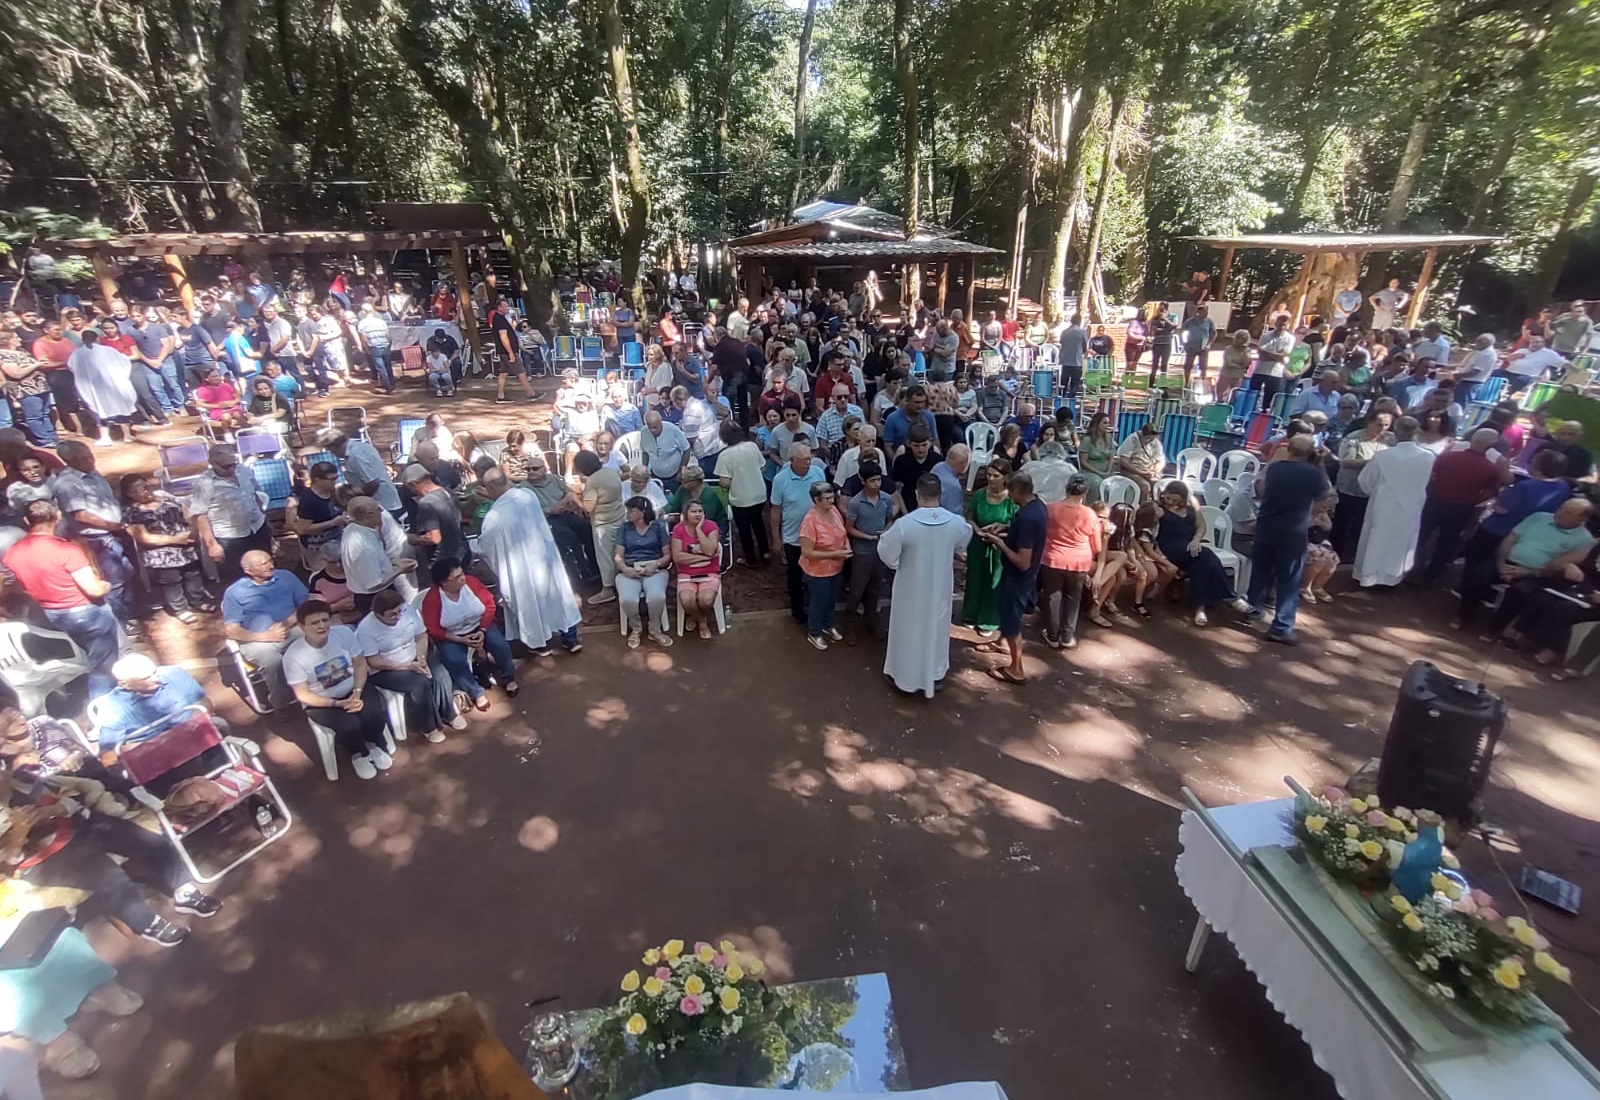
x=1021, y=548
x=508, y=349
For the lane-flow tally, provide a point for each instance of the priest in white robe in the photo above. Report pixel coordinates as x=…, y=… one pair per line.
x=516, y=542
x=1396, y=484
x=921, y=548
x=104, y=379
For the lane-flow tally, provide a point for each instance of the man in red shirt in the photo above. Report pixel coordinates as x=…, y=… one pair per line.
x=1461, y=483
x=58, y=575
x=779, y=397
x=53, y=350
x=833, y=378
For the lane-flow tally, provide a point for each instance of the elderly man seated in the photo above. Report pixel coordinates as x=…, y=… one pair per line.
x=1050, y=472
x=1142, y=459
x=258, y=613
x=659, y=446
x=145, y=694
x=1028, y=421
x=1544, y=548
x=373, y=551
x=569, y=523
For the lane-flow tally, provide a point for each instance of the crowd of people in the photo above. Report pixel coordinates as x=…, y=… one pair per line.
x=888, y=466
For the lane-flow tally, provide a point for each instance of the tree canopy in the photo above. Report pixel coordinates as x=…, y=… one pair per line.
x=1086, y=137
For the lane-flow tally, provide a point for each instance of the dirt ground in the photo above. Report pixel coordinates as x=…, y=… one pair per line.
x=1004, y=855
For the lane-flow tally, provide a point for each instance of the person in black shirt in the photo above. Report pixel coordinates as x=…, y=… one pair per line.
x=1021, y=546
x=729, y=358
x=917, y=458
x=508, y=350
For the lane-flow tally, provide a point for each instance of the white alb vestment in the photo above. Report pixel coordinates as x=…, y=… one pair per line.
x=516, y=542
x=1396, y=483
x=921, y=548
x=104, y=377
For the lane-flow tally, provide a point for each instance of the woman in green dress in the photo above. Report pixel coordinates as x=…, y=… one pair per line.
x=980, y=605
x=1095, y=453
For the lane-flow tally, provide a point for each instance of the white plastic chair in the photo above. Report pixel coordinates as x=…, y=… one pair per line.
x=1219, y=536
x=622, y=620
x=721, y=612
x=1195, y=466
x=1217, y=493
x=31, y=678
x=329, y=748
x=1236, y=464
x=1117, y=489
x=981, y=438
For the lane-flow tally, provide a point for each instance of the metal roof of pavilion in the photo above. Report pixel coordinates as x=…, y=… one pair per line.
x=917, y=247
x=823, y=219
x=310, y=240
x=1346, y=242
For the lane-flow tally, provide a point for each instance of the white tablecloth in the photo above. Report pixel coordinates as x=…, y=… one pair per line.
x=1343, y=1041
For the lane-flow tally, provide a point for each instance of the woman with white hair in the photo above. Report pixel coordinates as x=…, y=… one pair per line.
x=1236, y=360
x=640, y=484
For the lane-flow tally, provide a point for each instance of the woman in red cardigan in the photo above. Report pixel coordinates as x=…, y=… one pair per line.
x=458, y=612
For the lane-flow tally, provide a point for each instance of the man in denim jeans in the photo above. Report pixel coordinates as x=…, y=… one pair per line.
x=58, y=575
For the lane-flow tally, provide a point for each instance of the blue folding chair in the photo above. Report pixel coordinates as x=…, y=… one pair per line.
x=566, y=353
x=273, y=478
x=1163, y=407
x=1280, y=408
x=1245, y=403
x=182, y=463
x=1490, y=390
x=1130, y=421
x=1044, y=383
x=1177, y=433
x=592, y=356
x=632, y=354
x=1477, y=413
x=315, y=457
x=401, y=447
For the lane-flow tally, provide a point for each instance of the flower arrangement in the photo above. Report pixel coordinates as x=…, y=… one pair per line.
x=691, y=1014
x=1459, y=947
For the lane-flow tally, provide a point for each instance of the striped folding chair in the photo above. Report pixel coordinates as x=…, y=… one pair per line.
x=592, y=356
x=1163, y=407
x=1110, y=405
x=566, y=352
x=1256, y=434
x=1280, y=408
x=1244, y=404
x=411, y=359
x=1177, y=433
x=1044, y=383
x=1538, y=394
x=401, y=447
x=1490, y=390
x=633, y=355
x=1130, y=421
x=273, y=478
x=310, y=460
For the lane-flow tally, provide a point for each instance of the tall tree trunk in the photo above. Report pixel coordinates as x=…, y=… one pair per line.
x=163, y=64
x=1070, y=184
x=719, y=132
x=1091, y=251
x=1528, y=74
x=225, y=111
x=1559, y=248
x=905, y=78
x=802, y=80
x=1311, y=154
x=638, y=204
x=1029, y=181
x=1426, y=101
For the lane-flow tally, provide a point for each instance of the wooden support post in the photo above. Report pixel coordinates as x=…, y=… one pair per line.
x=1301, y=289
x=1420, y=298
x=1222, y=279
x=944, y=282
x=180, y=279
x=469, y=320
x=102, y=273
x=972, y=286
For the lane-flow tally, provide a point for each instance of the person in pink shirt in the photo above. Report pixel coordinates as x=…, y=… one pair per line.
x=697, y=552
x=824, y=545
x=220, y=402
x=1073, y=540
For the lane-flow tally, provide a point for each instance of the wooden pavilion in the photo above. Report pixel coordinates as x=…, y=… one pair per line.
x=852, y=239
x=1331, y=261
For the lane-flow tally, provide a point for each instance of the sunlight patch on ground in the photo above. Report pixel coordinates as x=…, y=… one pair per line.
x=607, y=713
x=538, y=834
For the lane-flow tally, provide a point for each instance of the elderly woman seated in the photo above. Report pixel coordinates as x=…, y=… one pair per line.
x=639, y=483
x=395, y=644
x=459, y=614
x=693, y=488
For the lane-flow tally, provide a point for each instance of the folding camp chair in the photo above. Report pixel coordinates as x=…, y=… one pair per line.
x=1044, y=383
x=1477, y=413
x=1280, y=408
x=349, y=419
x=182, y=463
x=315, y=457
x=1177, y=438
x=1163, y=407
x=1213, y=419
x=1256, y=435
x=1244, y=404
x=411, y=359
x=566, y=355
x=274, y=478
x=1490, y=390
x=1538, y=394
x=258, y=445
x=401, y=447
x=592, y=359
x=151, y=755
x=633, y=354
x=1129, y=421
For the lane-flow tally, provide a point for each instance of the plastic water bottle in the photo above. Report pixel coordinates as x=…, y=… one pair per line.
x=264, y=819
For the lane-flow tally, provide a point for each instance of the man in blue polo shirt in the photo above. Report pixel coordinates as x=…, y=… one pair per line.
x=144, y=695
x=791, y=500
x=913, y=407
x=258, y=613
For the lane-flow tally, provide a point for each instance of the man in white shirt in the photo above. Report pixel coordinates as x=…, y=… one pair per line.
x=1272, y=359
x=227, y=510
x=364, y=468
x=697, y=419
x=1527, y=366
x=1433, y=345
x=1476, y=368
x=659, y=445
x=739, y=320
x=372, y=551
x=1141, y=459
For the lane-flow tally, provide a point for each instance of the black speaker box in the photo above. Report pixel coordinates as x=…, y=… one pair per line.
x=1440, y=744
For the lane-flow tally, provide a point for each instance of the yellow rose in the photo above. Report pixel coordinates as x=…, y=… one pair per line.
x=694, y=984
x=1352, y=832
x=630, y=981
x=1525, y=935
x=730, y=999
x=1545, y=962
x=1358, y=806
x=1316, y=823
x=653, y=986
x=1413, y=922
x=1410, y=836
x=726, y=947
x=1515, y=923
x=756, y=967
x=651, y=957
x=1450, y=861
x=672, y=948
x=1401, y=905
x=1371, y=849
x=635, y=1024
x=1395, y=825
x=1453, y=892
x=1508, y=975
x=706, y=954
x=735, y=972
x=1439, y=882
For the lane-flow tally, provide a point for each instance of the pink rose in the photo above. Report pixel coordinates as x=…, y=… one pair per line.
x=1489, y=915
x=1377, y=817
x=720, y=960
x=690, y=1005
x=663, y=973
x=1465, y=905
x=700, y=946
x=1334, y=794
x=1482, y=898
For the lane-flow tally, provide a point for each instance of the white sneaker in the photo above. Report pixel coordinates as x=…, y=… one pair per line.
x=1200, y=618
x=434, y=736
x=363, y=766
x=105, y=441
x=459, y=722
x=817, y=641
x=380, y=759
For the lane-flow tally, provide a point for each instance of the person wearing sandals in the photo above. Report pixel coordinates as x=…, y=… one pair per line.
x=1021, y=545
x=166, y=543
x=1180, y=538
x=1544, y=626
x=824, y=546
x=1120, y=562
x=459, y=615
x=642, y=556
x=697, y=552
x=992, y=506
x=1292, y=485
x=395, y=644
x=1071, y=549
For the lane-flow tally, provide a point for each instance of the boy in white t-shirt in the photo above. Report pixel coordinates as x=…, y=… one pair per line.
x=439, y=376
x=328, y=675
